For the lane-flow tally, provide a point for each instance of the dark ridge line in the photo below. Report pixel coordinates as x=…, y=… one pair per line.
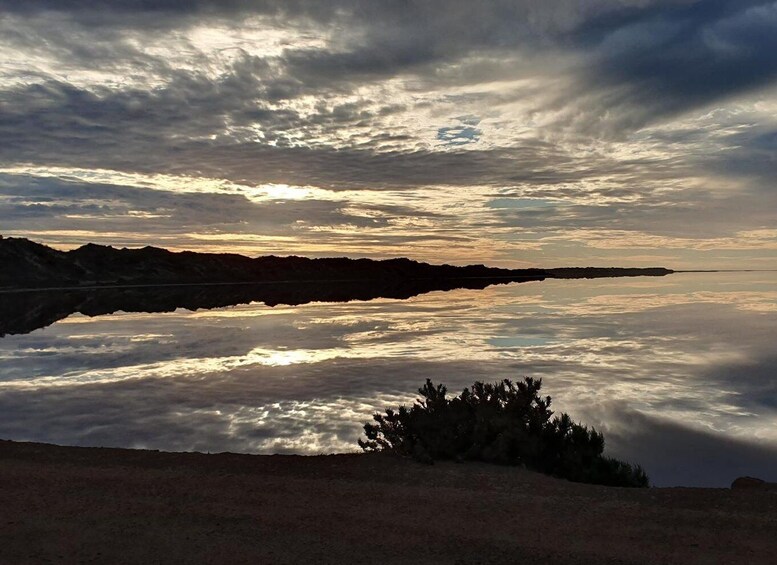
x=29, y=265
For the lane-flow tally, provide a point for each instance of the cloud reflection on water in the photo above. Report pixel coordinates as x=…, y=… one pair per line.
x=667, y=368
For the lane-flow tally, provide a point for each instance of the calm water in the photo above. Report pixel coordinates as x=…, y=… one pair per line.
x=679, y=372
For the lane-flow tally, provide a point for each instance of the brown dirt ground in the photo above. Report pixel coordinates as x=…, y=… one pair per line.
x=95, y=505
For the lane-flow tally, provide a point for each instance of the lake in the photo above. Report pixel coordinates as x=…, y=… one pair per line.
x=679, y=372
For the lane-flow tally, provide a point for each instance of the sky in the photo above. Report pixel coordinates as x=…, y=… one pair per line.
x=512, y=133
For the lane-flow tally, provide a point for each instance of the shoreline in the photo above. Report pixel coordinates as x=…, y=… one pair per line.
x=112, y=505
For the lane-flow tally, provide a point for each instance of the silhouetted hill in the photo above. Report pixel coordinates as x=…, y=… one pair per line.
x=23, y=261
x=26, y=264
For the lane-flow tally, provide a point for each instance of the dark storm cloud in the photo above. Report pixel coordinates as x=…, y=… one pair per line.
x=689, y=56
x=501, y=15
x=157, y=14
x=683, y=52
x=752, y=154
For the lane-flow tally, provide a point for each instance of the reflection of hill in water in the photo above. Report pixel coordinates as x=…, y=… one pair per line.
x=24, y=312
x=158, y=280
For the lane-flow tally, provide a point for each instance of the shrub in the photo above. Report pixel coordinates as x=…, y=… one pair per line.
x=503, y=422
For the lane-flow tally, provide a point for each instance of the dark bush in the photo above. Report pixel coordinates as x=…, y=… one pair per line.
x=503, y=422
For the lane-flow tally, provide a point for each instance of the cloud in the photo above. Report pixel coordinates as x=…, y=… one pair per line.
x=135, y=214
x=651, y=118
x=687, y=58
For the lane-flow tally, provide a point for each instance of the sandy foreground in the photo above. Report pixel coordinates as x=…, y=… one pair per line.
x=95, y=505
